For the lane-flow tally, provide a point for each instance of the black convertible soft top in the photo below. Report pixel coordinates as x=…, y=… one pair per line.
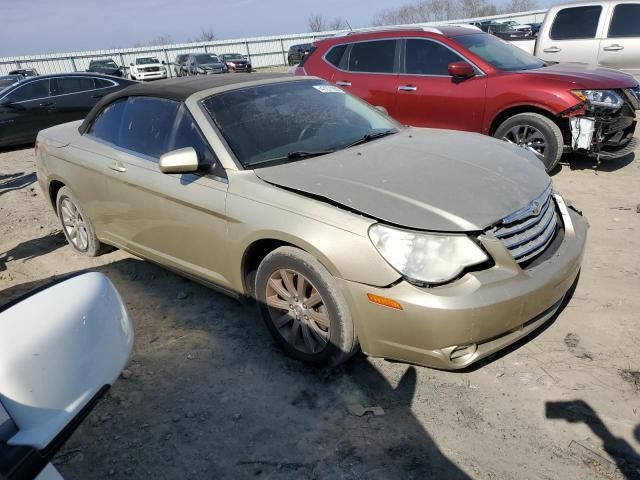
x=178, y=89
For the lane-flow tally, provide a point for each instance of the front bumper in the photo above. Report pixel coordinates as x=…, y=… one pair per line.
x=453, y=326
x=151, y=75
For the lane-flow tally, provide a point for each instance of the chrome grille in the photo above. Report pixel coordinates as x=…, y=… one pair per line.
x=529, y=231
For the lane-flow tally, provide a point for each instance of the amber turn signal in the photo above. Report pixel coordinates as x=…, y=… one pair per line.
x=387, y=302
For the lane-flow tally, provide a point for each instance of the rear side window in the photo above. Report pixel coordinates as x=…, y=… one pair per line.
x=146, y=125
x=334, y=56
x=625, y=21
x=425, y=57
x=374, y=57
x=30, y=91
x=102, y=83
x=69, y=85
x=107, y=125
x=576, y=23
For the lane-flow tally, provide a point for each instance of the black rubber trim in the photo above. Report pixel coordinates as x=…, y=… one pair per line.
x=25, y=463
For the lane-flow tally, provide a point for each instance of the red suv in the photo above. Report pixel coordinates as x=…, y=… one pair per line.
x=460, y=78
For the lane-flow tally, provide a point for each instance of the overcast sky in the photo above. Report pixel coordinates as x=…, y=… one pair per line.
x=47, y=26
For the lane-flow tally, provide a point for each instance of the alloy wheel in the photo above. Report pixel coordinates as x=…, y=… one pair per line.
x=74, y=225
x=527, y=137
x=298, y=311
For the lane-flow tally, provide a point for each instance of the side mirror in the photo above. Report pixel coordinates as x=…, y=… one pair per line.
x=461, y=71
x=183, y=160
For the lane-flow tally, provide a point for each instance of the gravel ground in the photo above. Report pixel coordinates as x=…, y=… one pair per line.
x=208, y=395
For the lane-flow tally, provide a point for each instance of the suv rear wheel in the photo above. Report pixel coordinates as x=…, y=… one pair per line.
x=536, y=133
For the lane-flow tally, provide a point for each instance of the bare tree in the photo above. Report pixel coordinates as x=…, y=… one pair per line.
x=164, y=39
x=477, y=8
x=316, y=23
x=206, y=35
x=338, y=23
x=520, y=6
x=418, y=12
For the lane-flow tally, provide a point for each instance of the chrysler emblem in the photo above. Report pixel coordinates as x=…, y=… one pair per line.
x=535, y=208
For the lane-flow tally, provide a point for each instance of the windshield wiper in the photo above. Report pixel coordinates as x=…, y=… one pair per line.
x=371, y=136
x=295, y=155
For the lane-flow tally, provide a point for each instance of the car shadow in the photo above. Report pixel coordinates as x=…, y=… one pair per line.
x=14, y=148
x=12, y=182
x=32, y=248
x=577, y=411
x=581, y=162
x=210, y=395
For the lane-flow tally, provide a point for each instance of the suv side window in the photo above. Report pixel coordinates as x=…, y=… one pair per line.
x=335, y=54
x=106, y=126
x=146, y=125
x=625, y=21
x=377, y=56
x=187, y=134
x=426, y=57
x=576, y=23
x=30, y=91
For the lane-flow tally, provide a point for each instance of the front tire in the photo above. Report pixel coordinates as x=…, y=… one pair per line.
x=303, y=309
x=536, y=133
x=76, y=226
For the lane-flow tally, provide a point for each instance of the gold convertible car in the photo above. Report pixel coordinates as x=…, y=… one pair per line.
x=351, y=231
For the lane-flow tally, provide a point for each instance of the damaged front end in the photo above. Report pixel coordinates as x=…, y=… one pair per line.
x=604, y=123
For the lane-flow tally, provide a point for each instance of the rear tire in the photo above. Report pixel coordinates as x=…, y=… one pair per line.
x=76, y=226
x=303, y=309
x=536, y=133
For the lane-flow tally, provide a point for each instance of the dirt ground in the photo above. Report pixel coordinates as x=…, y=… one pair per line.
x=208, y=394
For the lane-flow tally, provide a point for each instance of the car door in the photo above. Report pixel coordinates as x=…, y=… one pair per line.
x=429, y=97
x=621, y=47
x=574, y=35
x=177, y=220
x=368, y=69
x=74, y=97
x=25, y=111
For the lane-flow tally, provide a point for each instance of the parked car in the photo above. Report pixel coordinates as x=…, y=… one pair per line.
x=46, y=100
x=428, y=246
x=57, y=363
x=296, y=52
x=205, y=64
x=147, y=68
x=464, y=79
x=180, y=64
x=106, y=67
x=535, y=29
x=236, y=62
x=605, y=33
x=25, y=72
x=8, y=80
x=507, y=32
x=518, y=26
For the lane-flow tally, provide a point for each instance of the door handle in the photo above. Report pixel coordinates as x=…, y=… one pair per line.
x=117, y=166
x=343, y=84
x=407, y=88
x=552, y=50
x=47, y=104
x=613, y=48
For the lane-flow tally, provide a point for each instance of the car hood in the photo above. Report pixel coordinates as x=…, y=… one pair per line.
x=426, y=179
x=586, y=76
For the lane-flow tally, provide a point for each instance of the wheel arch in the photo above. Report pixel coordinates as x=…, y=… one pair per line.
x=54, y=187
x=525, y=108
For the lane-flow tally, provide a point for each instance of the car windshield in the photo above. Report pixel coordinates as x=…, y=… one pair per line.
x=287, y=121
x=233, y=56
x=207, y=58
x=146, y=60
x=105, y=63
x=499, y=53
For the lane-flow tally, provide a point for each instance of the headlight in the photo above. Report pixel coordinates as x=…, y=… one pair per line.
x=602, y=98
x=426, y=257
